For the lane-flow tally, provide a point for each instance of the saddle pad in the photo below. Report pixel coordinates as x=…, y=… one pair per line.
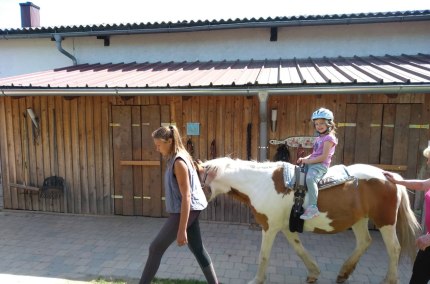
x=335, y=175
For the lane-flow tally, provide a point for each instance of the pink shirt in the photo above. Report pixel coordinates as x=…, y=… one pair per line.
x=427, y=209
x=319, y=147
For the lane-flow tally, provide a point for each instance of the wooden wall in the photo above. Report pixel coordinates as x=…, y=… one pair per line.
x=75, y=141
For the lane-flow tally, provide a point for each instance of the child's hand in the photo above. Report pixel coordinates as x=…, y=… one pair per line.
x=300, y=161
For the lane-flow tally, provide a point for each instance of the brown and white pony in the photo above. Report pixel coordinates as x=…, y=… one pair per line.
x=261, y=186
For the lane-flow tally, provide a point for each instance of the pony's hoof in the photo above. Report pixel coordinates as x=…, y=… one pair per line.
x=341, y=279
x=310, y=279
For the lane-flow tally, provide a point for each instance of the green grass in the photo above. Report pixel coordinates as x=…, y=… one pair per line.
x=156, y=281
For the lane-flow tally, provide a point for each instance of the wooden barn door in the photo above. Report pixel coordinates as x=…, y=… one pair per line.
x=385, y=135
x=137, y=166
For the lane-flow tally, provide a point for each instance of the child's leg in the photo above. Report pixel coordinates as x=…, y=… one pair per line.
x=313, y=176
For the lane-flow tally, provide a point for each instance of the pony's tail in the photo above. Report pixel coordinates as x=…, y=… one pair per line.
x=407, y=226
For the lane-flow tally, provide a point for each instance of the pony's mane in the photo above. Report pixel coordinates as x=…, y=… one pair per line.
x=225, y=163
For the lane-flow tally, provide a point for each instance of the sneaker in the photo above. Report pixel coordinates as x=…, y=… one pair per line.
x=310, y=212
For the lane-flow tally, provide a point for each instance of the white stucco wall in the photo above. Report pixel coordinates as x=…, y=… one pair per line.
x=31, y=55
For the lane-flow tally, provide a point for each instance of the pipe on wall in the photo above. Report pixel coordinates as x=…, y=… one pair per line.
x=263, y=98
x=58, y=39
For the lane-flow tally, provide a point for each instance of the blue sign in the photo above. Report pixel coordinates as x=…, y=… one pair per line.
x=193, y=128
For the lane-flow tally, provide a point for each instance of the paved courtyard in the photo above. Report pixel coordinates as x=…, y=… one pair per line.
x=56, y=248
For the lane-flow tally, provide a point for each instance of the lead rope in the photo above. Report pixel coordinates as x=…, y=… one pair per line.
x=213, y=150
x=190, y=147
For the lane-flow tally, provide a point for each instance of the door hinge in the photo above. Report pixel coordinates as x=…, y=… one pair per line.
x=418, y=126
x=347, y=124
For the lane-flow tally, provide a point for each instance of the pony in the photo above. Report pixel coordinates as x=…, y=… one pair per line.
x=349, y=205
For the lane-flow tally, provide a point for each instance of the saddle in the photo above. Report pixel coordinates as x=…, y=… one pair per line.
x=335, y=175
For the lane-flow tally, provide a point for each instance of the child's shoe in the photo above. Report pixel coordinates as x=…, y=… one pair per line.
x=310, y=212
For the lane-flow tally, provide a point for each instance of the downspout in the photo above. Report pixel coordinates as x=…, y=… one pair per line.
x=262, y=98
x=58, y=38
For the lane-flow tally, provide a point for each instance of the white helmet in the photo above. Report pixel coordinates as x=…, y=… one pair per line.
x=322, y=113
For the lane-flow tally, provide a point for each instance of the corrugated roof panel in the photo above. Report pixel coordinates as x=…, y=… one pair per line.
x=288, y=73
x=324, y=71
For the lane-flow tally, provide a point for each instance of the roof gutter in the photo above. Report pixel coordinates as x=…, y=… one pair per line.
x=176, y=28
x=58, y=40
x=303, y=90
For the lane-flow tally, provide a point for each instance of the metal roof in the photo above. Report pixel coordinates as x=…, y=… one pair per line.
x=279, y=73
x=186, y=26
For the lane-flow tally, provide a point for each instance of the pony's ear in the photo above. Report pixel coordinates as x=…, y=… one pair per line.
x=198, y=164
x=211, y=173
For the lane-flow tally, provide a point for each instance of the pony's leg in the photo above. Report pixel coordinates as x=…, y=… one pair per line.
x=363, y=240
x=311, y=265
x=393, y=249
x=266, y=247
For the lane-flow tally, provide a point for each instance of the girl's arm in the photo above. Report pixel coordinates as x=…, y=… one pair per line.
x=181, y=173
x=326, y=150
x=300, y=160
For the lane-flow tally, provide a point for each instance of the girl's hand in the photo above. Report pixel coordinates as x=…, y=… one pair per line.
x=181, y=238
x=423, y=242
x=301, y=161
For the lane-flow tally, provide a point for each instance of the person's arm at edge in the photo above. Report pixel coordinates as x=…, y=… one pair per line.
x=415, y=184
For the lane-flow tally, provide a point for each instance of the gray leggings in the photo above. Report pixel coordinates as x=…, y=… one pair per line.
x=167, y=236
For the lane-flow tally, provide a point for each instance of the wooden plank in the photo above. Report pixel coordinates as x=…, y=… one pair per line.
x=107, y=153
x=247, y=118
x=195, y=117
x=124, y=152
x=237, y=118
x=211, y=136
x=401, y=130
x=74, y=140
x=413, y=140
x=229, y=150
x=349, y=138
x=55, y=204
x=136, y=134
x=98, y=154
x=203, y=142
x=25, y=151
x=4, y=154
x=375, y=133
x=151, y=175
x=32, y=163
x=340, y=116
x=59, y=136
x=237, y=130
x=68, y=155
x=220, y=122
x=165, y=117
x=12, y=193
x=40, y=165
x=19, y=163
x=91, y=170
x=85, y=205
x=387, y=136
x=362, y=134
x=255, y=128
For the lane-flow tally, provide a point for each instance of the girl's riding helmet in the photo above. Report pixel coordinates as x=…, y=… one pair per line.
x=322, y=113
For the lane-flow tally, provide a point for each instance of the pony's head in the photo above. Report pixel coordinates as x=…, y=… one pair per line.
x=209, y=174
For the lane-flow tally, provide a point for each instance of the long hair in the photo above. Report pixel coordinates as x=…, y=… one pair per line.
x=171, y=132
